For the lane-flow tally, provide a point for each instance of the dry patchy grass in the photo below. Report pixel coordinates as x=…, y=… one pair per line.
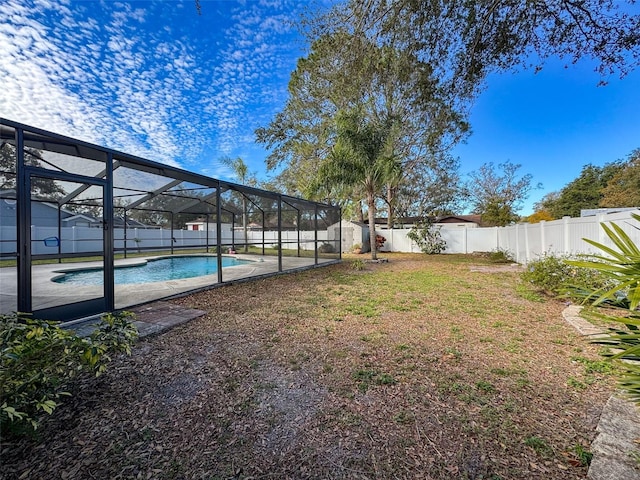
x=417, y=368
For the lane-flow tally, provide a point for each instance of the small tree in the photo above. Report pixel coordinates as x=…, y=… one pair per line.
x=498, y=193
x=242, y=174
x=428, y=237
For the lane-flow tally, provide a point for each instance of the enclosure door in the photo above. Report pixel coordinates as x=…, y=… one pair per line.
x=67, y=231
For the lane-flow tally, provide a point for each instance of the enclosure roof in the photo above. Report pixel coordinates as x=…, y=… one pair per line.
x=163, y=179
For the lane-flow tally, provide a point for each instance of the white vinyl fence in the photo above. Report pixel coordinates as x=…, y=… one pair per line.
x=525, y=241
x=84, y=239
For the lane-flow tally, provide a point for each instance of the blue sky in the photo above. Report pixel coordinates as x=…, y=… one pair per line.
x=156, y=80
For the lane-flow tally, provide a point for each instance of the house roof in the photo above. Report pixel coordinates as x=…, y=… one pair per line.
x=442, y=219
x=460, y=219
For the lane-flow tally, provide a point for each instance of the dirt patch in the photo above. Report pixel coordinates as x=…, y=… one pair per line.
x=415, y=368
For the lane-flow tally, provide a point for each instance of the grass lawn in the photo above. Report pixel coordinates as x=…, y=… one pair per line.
x=417, y=368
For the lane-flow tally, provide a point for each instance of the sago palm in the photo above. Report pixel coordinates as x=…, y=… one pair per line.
x=622, y=265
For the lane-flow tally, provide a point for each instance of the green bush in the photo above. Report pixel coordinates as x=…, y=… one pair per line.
x=39, y=359
x=553, y=275
x=326, y=248
x=500, y=255
x=358, y=265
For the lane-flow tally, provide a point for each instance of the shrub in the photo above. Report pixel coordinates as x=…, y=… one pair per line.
x=39, y=359
x=428, y=237
x=326, y=248
x=358, y=265
x=500, y=255
x=555, y=276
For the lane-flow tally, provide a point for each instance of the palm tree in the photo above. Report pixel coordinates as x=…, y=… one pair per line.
x=361, y=158
x=241, y=173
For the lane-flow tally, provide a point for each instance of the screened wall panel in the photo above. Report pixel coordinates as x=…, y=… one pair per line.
x=97, y=230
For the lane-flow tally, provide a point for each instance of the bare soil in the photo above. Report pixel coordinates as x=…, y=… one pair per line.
x=422, y=367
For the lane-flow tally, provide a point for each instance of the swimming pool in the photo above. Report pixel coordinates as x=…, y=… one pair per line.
x=155, y=270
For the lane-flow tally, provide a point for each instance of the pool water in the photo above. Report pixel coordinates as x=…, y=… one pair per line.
x=162, y=269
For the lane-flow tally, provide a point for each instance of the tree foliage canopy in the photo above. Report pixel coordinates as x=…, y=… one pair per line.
x=422, y=63
x=466, y=40
x=623, y=188
x=584, y=192
x=497, y=196
x=345, y=70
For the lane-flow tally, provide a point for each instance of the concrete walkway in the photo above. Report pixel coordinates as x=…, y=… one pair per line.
x=151, y=319
x=618, y=432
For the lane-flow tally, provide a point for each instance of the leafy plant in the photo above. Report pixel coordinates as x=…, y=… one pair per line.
x=427, y=236
x=622, y=267
x=583, y=456
x=326, y=248
x=39, y=359
x=541, y=447
x=556, y=275
x=358, y=264
x=500, y=255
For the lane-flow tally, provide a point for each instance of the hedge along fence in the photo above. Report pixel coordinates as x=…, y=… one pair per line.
x=524, y=241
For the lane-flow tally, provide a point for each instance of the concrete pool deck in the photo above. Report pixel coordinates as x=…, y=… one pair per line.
x=47, y=293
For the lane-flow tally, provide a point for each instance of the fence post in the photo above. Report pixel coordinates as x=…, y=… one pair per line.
x=465, y=241
x=73, y=240
x=601, y=235
x=543, y=240
x=526, y=242
x=517, y=244
x=565, y=235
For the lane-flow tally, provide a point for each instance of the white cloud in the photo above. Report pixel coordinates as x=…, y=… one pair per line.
x=113, y=74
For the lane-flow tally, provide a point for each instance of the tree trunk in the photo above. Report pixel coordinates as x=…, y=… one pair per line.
x=360, y=212
x=371, y=204
x=391, y=193
x=244, y=224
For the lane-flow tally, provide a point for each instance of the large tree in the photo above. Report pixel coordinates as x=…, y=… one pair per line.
x=424, y=62
x=433, y=187
x=345, y=69
x=497, y=194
